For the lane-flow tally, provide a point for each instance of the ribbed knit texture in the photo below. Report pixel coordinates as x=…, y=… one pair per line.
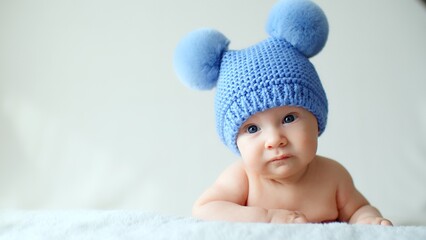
x=269, y=74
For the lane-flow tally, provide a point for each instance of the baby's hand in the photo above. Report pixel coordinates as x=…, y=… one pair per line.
x=285, y=216
x=374, y=221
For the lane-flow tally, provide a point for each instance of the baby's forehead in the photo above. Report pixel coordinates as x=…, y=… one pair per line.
x=273, y=112
x=278, y=110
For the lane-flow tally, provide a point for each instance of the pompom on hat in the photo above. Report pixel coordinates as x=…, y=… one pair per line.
x=272, y=73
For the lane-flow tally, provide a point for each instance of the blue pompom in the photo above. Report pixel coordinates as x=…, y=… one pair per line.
x=197, y=58
x=301, y=22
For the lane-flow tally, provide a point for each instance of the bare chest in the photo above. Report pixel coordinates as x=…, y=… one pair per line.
x=317, y=201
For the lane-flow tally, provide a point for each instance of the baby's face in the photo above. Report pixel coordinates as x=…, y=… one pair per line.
x=279, y=142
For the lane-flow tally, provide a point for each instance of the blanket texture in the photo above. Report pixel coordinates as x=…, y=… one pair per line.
x=124, y=225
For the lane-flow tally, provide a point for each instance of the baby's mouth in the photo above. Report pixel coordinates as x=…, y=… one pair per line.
x=280, y=158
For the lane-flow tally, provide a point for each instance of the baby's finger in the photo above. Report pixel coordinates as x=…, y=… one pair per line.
x=299, y=218
x=386, y=222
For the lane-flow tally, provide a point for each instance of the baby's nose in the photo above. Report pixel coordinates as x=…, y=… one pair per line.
x=275, y=139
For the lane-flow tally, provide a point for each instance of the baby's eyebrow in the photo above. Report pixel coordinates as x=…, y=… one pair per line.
x=291, y=110
x=251, y=119
x=246, y=125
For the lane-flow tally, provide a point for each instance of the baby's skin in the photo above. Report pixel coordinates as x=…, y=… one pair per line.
x=281, y=179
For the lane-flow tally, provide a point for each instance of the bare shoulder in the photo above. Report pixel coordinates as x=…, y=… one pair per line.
x=349, y=199
x=235, y=171
x=333, y=168
x=231, y=185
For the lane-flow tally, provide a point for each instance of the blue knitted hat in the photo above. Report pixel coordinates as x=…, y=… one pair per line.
x=272, y=73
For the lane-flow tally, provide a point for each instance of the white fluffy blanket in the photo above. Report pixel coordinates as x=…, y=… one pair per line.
x=124, y=225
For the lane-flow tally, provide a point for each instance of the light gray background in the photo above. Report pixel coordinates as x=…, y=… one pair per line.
x=92, y=115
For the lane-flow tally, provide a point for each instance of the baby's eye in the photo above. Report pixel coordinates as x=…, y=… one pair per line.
x=252, y=129
x=289, y=118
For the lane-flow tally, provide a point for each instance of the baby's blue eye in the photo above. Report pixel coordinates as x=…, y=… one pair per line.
x=289, y=118
x=252, y=129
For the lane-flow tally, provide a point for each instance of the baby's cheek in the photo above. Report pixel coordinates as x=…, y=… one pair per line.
x=250, y=156
x=309, y=144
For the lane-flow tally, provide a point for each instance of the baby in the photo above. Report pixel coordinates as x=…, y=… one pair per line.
x=270, y=109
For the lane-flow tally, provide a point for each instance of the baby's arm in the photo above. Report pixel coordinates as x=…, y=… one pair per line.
x=353, y=207
x=226, y=201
